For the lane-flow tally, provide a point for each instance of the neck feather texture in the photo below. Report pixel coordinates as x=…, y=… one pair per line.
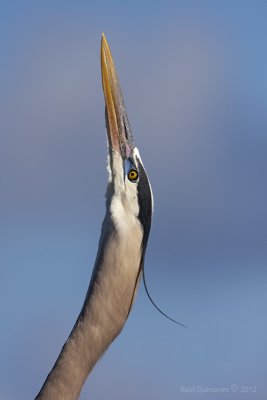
x=104, y=312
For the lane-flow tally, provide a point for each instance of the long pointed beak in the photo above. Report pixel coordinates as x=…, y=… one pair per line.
x=119, y=134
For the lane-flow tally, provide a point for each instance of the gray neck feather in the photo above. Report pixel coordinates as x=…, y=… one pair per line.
x=104, y=312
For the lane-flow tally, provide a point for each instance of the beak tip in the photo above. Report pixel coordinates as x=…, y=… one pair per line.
x=104, y=43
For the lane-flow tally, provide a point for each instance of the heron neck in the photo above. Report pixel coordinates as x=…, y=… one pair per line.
x=103, y=315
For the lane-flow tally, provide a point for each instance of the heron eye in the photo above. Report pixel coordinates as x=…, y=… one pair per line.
x=133, y=175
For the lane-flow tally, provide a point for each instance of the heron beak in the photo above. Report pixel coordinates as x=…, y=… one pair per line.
x=118, y=129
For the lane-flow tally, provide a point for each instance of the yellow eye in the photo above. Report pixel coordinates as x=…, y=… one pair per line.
x=133, y=175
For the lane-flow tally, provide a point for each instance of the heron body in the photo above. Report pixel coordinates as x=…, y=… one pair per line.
x=120, y=255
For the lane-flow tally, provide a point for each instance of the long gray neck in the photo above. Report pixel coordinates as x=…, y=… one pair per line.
x=104, y=312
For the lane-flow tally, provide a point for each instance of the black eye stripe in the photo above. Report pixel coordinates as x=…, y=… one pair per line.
x=145, y=203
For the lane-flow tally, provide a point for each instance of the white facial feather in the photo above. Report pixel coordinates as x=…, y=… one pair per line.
x=124, y=204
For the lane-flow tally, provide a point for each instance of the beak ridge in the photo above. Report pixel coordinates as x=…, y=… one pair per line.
x=118, y=128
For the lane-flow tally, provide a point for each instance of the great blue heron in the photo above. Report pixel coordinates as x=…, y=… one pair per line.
x=120, y=255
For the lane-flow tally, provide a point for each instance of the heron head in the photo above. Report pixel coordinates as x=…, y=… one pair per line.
x=132, y=196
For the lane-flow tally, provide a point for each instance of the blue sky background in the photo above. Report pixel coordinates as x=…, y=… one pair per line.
x=194, y=77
